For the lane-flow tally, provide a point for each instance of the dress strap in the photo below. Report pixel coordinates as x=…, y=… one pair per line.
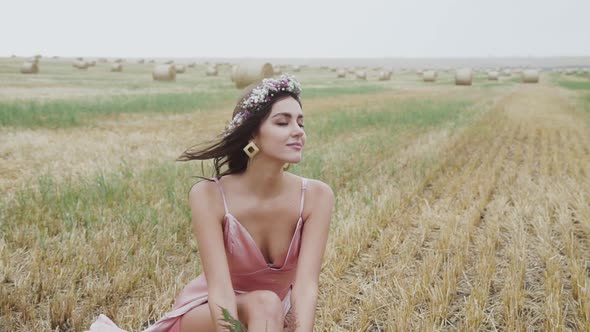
x=222, y=194
x=303, y=188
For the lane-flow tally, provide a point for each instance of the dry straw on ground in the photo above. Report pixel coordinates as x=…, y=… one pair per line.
x=492, y=238
x=481, y=224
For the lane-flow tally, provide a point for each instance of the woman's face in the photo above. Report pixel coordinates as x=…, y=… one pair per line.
x=281, y=135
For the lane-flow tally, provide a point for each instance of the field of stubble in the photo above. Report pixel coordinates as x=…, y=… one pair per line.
x=458, y=208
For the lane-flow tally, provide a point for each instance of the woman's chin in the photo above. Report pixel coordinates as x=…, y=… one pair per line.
x=293, y=160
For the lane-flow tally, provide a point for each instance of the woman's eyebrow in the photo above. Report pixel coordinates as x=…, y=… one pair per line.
x=288, y=115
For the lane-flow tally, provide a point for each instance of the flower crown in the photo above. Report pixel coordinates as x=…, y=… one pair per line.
x=260, y=95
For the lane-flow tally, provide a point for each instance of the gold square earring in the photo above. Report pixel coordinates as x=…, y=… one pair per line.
x=251, y=149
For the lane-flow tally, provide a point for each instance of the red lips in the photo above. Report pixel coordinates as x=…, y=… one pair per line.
x=296, y=145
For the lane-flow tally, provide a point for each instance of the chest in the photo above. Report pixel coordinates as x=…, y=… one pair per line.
x=270, y=225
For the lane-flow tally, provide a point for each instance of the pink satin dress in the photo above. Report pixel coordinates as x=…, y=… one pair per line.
x=248, y=269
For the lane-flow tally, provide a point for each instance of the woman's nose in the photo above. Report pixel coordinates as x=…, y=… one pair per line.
x=298, y=130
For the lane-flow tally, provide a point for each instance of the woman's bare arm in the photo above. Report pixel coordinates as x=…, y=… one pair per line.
x=208, y=229
x=313, y=245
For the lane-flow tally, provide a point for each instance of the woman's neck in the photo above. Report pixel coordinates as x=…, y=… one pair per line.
x=263, y=177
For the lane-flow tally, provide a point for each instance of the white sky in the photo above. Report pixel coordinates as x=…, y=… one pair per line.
x=297, y=28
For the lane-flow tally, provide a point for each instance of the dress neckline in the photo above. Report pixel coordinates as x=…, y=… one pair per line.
x=259, y=252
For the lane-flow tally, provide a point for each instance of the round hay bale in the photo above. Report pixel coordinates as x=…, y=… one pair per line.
x=429, y=75
x=341, y=73
x=384, y=75
x=493, y=75
x=530, y=76
x=247, y=73
x=506, y=72
x=180, y=69
x=29, y=68
x=211, y=71
x=117, y=67
x=233, y=72
x=296, y=68
x=463, y=76
x=361, y=75
x=80, y=64
x=164, y=73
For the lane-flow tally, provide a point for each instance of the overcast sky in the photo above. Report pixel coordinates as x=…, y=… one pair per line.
x=297, y=28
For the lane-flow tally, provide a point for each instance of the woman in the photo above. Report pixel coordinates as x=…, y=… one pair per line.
x=261, y=231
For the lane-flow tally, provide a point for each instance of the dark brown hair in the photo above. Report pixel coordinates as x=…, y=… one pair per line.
x=227, y=151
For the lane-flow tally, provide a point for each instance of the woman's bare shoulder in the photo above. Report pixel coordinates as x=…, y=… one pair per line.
x=203, y=194
x=201, y=189
x=320, y=197
x=319, y=188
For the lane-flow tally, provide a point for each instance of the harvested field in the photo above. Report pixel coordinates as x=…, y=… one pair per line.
x=463, y=208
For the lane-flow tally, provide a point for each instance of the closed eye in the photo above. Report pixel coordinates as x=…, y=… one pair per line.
x=284, y=124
